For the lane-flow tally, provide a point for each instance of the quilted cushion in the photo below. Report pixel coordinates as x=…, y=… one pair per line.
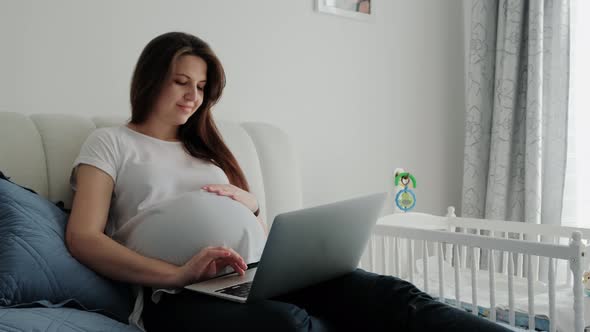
x=58, y=319
x=35, y=265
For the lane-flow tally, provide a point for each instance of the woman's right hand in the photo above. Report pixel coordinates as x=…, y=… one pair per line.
x=208, y=262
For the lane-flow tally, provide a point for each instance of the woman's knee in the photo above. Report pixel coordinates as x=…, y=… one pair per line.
x=281, y=316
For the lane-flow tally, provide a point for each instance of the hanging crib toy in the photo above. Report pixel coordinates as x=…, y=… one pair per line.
x=405, y=198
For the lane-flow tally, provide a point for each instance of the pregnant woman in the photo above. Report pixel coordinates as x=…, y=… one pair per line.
x=161, y=203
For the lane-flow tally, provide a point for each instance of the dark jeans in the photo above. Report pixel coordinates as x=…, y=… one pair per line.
x=359, y=301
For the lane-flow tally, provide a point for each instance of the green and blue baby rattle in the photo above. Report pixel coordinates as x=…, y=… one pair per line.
x=405, y=198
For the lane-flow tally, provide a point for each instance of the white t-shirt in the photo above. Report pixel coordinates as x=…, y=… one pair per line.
x=158, y=208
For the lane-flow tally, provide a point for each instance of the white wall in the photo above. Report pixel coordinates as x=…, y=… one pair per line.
x=358, y=99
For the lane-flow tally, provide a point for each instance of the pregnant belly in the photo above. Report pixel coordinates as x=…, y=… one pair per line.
x=176, y=230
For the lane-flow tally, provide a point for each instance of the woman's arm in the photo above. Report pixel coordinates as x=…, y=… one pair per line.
x=87, y=242
x=239, y=195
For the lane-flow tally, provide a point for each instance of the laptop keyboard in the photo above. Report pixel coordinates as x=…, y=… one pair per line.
x=239, y=290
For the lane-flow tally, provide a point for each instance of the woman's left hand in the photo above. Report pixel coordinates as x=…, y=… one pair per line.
x=235, y=193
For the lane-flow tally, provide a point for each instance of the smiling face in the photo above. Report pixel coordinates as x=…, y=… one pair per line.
x=182, y=92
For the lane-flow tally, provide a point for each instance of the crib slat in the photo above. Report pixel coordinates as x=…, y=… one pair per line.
x=441, y=275
x=530, y=276
x=538, y=272
x=554, y=240
x=464, y=251
x=576, y=243
x=511, y=289
x=411, y=260
x=425, y=264
x=535, y=267
x=556, y=269
x=448, y=253
x=552, y=315
x=492, y=269
x=457, y=279
x=385, y=254
x=474, y=308
x=505, y=257
x=478, y=252
x=398, y=260
x=519, y=259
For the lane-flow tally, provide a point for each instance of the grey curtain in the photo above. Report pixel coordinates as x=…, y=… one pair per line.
x=517, y=102
x=516, y=119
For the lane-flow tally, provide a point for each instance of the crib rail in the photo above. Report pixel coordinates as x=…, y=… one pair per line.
x=517, y=227
x=515, y=256
x=478, y=241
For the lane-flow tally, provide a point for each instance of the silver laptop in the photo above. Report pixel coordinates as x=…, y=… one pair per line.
x=303, y=248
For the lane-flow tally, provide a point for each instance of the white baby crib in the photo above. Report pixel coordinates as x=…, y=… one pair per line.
x=525, y=275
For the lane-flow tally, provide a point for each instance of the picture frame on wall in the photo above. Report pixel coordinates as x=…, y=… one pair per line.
x=355, y=9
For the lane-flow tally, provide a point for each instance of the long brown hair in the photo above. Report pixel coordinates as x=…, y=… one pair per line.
x=199, y=134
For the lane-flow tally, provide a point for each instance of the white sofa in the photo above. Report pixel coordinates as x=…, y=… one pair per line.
x=37, y=152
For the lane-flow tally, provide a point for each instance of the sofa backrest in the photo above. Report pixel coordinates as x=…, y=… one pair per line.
x=37, y=151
